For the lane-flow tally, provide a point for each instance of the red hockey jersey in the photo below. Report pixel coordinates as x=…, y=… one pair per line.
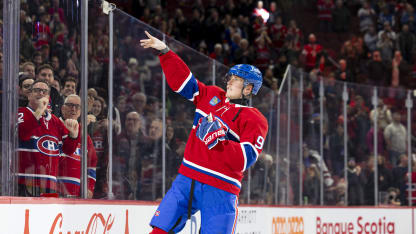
x=41, y=142
x=223, y=165
x=70, y=170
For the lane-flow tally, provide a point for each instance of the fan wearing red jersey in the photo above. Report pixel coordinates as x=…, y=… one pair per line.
x=226, y=139
x=42, y=139
x=70, y=165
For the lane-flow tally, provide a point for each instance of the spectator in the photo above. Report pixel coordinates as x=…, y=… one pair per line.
x=399, y=76
x=366, y=15
x=311, y=185
x=70, y=86
x=121, y=105
x=395, y=136
x=383, y=114
x=343, y=73
x=218, y=54
x=37, y=59
x=384, y=179
x=388, y=32
x=244, y=53
x=385, y=17
x=310, y=52
x=29, y=68
x=196, y=30
x=260, y=11
x=341, y=18
x=98, y=108
x=215, y=28
x=381, y=145
x=406, y=43
x=394, y=196
x=408, y=17
x=25, y=82
x=129, y=156
x=293, y=41
x=336, y=150
x=41, y=135
x=410, y=184
x=45, y=51
x=268, y=77
x=45, y=73
x=71, y=68
x=70, y=165
x=57, y=85
x=55, y=64
x=42, y=33
x=355, y=184
x=26, y=45
x=371, y=39
x=377, y=72
x=277, y=32
x=274, y=13
x=262, y=51
x=385, y=45
x=325, y=8
x=399, y=174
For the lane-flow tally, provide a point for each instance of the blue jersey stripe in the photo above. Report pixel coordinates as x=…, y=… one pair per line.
x=211, y=174
x=250, y=154
x=190, y=89
x=68, y=181
x=92, y=173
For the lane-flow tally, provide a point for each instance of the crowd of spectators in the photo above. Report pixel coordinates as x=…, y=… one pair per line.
x=380, y=51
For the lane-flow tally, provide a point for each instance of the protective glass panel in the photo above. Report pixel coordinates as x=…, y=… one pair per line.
x=311, y=140
x=282, y=189
x=295, y=146
x=137, y=157
x=392, y=146
x=2, y=190
x=261, y=175
x=333, y=165
x=49, y=51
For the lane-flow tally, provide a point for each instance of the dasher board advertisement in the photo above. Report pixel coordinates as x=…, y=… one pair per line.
x=75, y=217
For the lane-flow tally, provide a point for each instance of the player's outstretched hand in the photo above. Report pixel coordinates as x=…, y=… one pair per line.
x=73, y=127
x=152, y=42
x=211, y=130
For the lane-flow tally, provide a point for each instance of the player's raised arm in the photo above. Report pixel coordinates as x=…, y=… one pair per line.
x=180, y=79
x=152, y=42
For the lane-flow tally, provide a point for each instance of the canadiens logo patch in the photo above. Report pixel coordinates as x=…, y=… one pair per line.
x=157, y=213
x=214, y=101
x=48, y=145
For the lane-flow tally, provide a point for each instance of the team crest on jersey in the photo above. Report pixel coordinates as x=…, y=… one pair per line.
x=48, y=145
x=157, y=213
x=214, y=101
x=77, y=154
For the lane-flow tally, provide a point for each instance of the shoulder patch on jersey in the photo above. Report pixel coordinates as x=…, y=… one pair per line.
x=214, y=101
x=48, y=145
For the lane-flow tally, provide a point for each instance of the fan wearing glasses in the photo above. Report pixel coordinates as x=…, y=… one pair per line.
x=70, y=165
x=42, y=139
x=25, y=82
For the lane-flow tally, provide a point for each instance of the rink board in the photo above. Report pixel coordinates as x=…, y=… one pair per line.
x=71, y=216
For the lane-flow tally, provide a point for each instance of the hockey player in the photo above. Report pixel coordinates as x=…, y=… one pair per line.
x=42, y=138
x=70, y=165
x=226, y=138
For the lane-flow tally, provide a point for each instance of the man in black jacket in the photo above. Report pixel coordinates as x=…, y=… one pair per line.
x=45, y=73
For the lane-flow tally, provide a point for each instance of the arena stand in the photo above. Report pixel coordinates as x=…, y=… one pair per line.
x=306, y=174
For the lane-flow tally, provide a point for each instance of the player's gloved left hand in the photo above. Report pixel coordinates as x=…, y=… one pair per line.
x=211, y=131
